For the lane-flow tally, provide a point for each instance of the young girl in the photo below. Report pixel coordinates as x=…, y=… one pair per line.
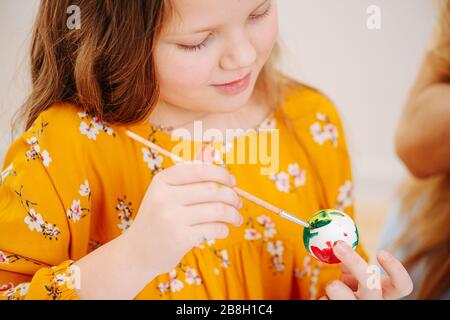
x=86, y=212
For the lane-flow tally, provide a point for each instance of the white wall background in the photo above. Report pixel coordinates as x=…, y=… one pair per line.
x=327, y=45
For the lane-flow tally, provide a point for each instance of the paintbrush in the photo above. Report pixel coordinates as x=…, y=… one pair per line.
x=239, y=191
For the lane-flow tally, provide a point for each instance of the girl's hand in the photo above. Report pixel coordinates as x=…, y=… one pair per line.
x=185, y=204
x=356, y=284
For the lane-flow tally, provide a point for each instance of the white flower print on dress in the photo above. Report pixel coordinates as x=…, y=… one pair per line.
x=298, y=174
x=326, y=133
x=163, y=287
x=75, y=211
x=35, y=149
x=309, y=272
x=124, y=224
x=316, y=131
x=205, y=241
x=345, y=197
x=3, y=258
x=252, y=234
x=222, y=257
x=34, y=221
x=101, y=126
x=90, y=131
x=269, y=227
x=331, y=133
x=192, y=277
x=125, y=213
x=281, y=181
x=94, y=127
x=61, y=279
x=175, y=284
x=9, y=171
x=46, y=159
x=17, y=292
x=152, y=158
x=85, y=190
x=313, y=286
x=225, y=260
x=269, y=233
x=306, y=271
x=276, y=250
x=35, y=152
x=322, y=116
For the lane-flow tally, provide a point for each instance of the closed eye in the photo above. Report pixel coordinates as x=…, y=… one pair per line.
x=261, y=15
x=203, y=44
x=195, y=47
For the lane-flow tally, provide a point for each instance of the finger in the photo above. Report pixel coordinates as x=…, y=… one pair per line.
x=344, y=268
x=348, y=278
x=186, y=173
x=209, y=231
x=204, y=192
x=324, y=298
x=213, y=212
x=350, y=281
x=358, y=268
x=337, y=290
x=400, y=284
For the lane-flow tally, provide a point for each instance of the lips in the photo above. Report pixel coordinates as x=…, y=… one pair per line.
x=234, y=87
x=232, y=82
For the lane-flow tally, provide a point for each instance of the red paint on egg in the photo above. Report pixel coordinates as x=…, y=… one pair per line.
x=326, y=254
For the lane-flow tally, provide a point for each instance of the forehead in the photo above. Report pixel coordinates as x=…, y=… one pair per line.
x=189, y=16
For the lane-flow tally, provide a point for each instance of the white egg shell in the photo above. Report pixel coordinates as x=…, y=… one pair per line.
x=326, y=228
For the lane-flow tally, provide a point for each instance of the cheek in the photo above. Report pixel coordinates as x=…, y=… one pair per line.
x=265, y=37
x=181, y=71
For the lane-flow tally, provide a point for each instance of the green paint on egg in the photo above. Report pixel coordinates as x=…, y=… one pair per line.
x=326, y=228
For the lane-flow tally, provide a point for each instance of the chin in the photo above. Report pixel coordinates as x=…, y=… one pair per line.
x=225, y=104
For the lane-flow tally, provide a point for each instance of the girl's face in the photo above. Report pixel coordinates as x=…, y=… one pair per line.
x=212, y=42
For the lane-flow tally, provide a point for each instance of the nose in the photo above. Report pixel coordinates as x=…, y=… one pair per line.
x=240, y=53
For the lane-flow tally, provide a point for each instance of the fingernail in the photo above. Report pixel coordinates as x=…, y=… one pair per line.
x=384, y=255
x=341, y=247
x=233, y=180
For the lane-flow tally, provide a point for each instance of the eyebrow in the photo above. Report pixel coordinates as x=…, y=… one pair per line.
x=214, y=27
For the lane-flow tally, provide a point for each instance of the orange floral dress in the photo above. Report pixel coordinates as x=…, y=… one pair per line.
x=72, y=183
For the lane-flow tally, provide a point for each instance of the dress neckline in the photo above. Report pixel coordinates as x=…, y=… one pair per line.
x=147, y=129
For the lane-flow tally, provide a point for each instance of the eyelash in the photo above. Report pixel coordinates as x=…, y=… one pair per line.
x=203, y=44
x=262, y=15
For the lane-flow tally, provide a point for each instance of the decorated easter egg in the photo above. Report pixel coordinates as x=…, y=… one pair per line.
x=326, y=228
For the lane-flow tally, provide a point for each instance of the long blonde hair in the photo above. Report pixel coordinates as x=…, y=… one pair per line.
x=428, y=232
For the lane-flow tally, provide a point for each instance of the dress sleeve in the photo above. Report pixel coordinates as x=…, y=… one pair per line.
x=320, y=133
x=44, y=214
